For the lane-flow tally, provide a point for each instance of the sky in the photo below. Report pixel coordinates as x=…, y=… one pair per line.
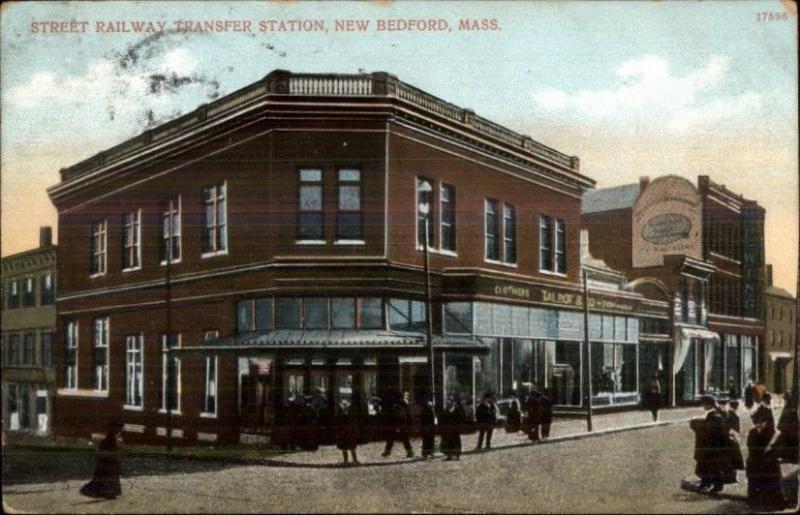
x=632, y=88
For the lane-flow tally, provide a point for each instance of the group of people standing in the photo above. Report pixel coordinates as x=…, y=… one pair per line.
x=718, y=455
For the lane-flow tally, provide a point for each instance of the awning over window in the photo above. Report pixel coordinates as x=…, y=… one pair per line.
x=340, y=339
x=683, y=344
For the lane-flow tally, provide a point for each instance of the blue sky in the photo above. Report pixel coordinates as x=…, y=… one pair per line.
x=633, y=88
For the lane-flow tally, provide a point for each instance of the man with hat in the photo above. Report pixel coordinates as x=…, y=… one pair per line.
x=486, y=417
x=711, y=441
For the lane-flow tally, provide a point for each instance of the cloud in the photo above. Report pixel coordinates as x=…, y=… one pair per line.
x=648, y=91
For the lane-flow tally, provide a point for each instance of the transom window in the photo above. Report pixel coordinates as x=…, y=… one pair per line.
x=310, y=216
x=131, y=240
x=215, y=233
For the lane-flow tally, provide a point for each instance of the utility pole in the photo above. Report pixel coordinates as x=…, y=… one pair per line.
x=587, y=354
x=428, y=312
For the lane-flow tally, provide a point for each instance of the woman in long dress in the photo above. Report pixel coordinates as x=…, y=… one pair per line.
x=452, y=423
x=763, y=470
x=105, y=482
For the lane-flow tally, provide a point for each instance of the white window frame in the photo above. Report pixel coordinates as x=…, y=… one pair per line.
x=164, y=358
x=134, y=371
x=498, y=235
x=507, y=207
x=209, y=385
x=100, y=247
x=417, y=236
x=442, y=224
x=132, y=240
x=101, y=340
x=301, y=239
x=172, y=215
x=559, y=223
x=71, y=381
x=220, y=197
x=340, y=183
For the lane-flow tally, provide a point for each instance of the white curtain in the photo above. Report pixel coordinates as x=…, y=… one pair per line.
x=709, y=362
x=682, y=346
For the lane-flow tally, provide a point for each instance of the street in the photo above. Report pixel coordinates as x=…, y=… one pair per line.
x=632, y=471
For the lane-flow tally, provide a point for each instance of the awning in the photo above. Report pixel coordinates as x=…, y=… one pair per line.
x=703, y=334
x=340, y=339
x=774, y=356
x=683, y=343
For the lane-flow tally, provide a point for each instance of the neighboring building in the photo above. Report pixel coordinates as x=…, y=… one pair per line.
x=29, y=324
x=295, y=214
x=781, y=331
x=700, y=249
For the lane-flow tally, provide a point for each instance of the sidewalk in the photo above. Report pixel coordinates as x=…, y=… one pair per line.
x=562, y=429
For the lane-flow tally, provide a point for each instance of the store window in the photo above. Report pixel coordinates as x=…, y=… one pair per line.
x=458, y=318
x=310, y=215
x=566, y=373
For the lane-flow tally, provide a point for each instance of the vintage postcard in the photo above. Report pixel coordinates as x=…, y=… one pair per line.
x=399, y=256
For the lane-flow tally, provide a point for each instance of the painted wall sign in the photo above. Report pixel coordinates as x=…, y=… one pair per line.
x=667, y=219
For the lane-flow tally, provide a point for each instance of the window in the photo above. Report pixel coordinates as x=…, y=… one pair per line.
x=71, y=356
x=97, y=265
x=13, y=350
x=545, y=243
x=447, y=201
x=29, y=293
x=245, y=322
x=47, y=291
x=310, y=216
x=509, y=234
x=254, y=315
x=170, y=374
x=13, y=294
x=210, y=334
x=28, y=356
x=424, y=211
x=134, y=380
x=492, y=231
x=287, y=313
x=343, y=313
x=100, y=356
x=171, y=232
x=370, y=313
x=131, y=240
x=348, y=216
x=315, y=313
x=561, y=247
x=210, y=397
x=215, y=234
x=406, y=315
x=47, y=350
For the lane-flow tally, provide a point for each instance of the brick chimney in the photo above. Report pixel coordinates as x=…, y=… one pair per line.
x=45, y=236
x=644, y=180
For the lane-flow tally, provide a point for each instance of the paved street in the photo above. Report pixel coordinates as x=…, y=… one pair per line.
x=631, y=471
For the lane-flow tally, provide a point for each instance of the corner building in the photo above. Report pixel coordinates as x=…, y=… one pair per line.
x=278, y=235
x=700, y=250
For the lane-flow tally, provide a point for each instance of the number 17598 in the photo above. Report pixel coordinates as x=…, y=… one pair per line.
x=772, y=16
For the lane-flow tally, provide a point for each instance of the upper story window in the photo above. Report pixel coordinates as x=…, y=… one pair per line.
x=100, y=356
x=28, y=349
x=348, y=215
x=29, y=293
x=215, y=232
x=47, y=292
x=171, y=232
x=310, y=217
x=492, y=230
x=134, y=379
x=13, y=294
x=424, y=208
x=71, y=356
x=447, y=201
x=131, y=240
x=99, y=241
x=170, y=374
x=47, y=349
x=509, y=234
x=552, y=245
x=13, y=350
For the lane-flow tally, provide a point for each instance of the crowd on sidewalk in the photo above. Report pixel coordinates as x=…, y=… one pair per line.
x=718, y=453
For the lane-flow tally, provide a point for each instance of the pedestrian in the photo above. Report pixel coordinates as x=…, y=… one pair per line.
x=514, y=416
x=711, y=447
x=786, y=444
x=748, y=394
x=453, y=420
x=546, y=402
x=400, y=426
x=428, y=422
x=732, y=429
x=732, y=417
x=763, y=470
x=733, y=392
x=347, y=430
x=105, y=481
x=652, y=397
x=486, y=417
x=534, y=408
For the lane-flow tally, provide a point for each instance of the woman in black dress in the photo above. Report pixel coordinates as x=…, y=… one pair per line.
x=105, y=482
x=452, y=423
x=347, y=430
x=763, y=470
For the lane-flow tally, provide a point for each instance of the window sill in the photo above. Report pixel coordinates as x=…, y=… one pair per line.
x=501, y=263
x=439, y=251
x=349, y=242
x=134, y=269
x=208, y=415
x=128, y=407
x=76, y=392
x=173, y=262
x=174, y=412
x=214, y=254
x=310, y=242
x=94, y=276
x=550, y=272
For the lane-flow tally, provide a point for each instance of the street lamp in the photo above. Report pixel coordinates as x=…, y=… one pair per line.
x=424, y=208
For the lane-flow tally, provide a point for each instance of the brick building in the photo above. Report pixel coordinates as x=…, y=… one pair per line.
x=278, y=235
x=29, y=323
x=700, y=249
x=780, y=340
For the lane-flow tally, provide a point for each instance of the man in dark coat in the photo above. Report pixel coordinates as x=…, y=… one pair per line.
x=786, y=445
x=105, y=482
x=652, y=396
x=763, y=470
x=428, y=422
x=749, y=391
x=711, y=447
x=399, y=426
x=453, y=420
x=514, y=417
x=534, y=408
x=486, y=417
x=347, y=428
x=546, y=402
